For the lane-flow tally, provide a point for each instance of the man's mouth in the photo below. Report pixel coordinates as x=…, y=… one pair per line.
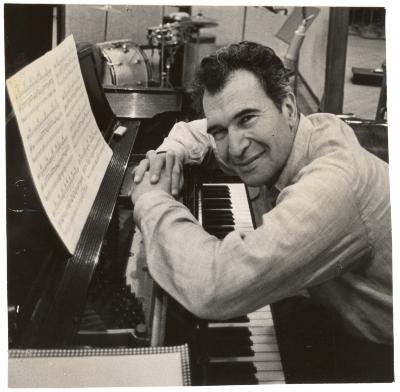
x=243, y=165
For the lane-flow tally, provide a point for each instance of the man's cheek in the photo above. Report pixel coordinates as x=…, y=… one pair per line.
x=222, y=151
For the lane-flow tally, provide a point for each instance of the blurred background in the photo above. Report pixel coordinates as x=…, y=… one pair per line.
x=339, y=62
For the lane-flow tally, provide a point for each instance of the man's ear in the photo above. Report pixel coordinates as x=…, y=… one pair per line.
x=289, y=109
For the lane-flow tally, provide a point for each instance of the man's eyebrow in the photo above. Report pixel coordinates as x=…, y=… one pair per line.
x=244, y=112
x=236, y=115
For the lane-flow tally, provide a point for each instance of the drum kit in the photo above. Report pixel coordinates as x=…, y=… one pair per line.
x=168, y=37
x=178, y=32
x=127, y=64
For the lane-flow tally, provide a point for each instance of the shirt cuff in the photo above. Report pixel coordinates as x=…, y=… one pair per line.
x=174, y=146
x=148, y=202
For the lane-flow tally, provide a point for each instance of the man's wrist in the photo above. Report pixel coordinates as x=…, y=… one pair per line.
x=143, y=205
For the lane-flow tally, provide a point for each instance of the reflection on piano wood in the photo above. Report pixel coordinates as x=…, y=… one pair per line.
x=243, y=350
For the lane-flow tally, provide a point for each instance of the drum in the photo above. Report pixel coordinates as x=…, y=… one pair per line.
x=171, y=33
x=125, y=64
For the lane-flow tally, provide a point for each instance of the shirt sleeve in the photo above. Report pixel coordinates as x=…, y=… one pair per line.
x=313, y=234
x=190, y=141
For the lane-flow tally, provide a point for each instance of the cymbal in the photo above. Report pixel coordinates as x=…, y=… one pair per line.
x=166, y=26
x=179, y=16
x=107, y=8
x=199, y=22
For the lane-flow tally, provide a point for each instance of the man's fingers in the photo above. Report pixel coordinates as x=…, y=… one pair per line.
x=140, y=170
x=161, y=162
x=157, y=162
x=176, y=178
x=169, y=162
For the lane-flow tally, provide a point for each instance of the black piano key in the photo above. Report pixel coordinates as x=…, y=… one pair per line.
x=217, y=213
x=220, y=234
x=216, y=195
x=239, y=319
x=219, y=348
x=232, y=341
x=239, y=332
x=231, y=368
x=227, y=197
x=231, y=373
x=219, y=227
x=224, y=221
x=215, y=188
x=217, y=203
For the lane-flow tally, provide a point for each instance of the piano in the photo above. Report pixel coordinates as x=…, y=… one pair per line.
x=103, y=295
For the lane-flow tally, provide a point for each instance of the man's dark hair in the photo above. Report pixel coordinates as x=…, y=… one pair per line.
x=215, y=70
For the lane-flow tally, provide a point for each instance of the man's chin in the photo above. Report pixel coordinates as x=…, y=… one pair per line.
x=252, y=180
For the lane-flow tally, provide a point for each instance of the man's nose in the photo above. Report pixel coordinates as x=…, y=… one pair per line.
x=238, y=143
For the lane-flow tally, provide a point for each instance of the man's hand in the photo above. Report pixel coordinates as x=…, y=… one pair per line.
x=157, y=162
x=164, y=184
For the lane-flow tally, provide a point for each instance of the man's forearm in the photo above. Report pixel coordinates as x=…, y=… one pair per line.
x=189, y=141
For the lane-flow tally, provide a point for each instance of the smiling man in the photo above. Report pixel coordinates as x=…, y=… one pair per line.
x=253, y=135
x=329, y=232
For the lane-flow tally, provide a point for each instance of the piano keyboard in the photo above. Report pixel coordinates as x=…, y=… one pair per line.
x=243, y=350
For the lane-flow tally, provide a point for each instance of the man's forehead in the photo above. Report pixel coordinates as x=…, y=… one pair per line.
x=241, y=78
x=242, y=91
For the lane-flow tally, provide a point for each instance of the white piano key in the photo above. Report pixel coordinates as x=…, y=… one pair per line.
x=263, y=330
x=263, y=338
x=268, y=366
x=251, y=323
x=265, y=347
x=266, y=308
x=270, y=375
x=260, y=315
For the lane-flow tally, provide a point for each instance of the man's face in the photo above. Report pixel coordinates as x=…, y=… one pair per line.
x=253, y=137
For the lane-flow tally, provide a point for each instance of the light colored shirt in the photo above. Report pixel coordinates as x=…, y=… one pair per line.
x=329, y=233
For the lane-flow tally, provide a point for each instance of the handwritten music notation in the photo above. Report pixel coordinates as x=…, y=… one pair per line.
x=65, y=150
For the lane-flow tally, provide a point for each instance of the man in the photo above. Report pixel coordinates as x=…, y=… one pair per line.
x=329, y=232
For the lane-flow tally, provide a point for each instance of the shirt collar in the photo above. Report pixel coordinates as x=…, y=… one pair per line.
x=298, y=155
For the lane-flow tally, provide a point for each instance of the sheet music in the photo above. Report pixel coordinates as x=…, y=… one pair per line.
x=66, y=152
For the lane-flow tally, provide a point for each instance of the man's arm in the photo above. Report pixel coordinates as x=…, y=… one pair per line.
x=313, y=234
x=190, y=141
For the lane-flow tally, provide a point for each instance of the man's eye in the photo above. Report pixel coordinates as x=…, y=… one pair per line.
x=246, y=119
